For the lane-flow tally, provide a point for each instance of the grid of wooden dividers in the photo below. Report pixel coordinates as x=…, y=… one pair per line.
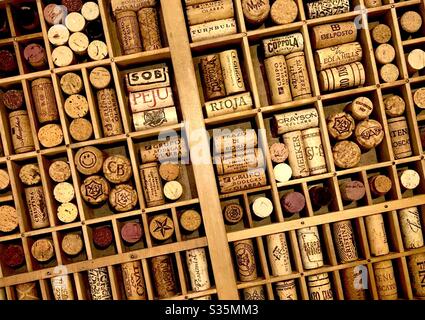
x=218, y=238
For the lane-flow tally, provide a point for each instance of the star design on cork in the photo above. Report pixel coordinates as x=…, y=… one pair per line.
x=342, y=124
x=161, y=226
x=94, y=189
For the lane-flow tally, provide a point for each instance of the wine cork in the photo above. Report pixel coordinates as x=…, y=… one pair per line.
x=369, y=133
x=385, y=53
x=192, y=2
x=100, y=77
x=166, y=150
x=411, y=229
x=320, y=8
x=197, y=264
x=422, y=134
x=278, y=253
x=117, y=169
x=282, y=172
x=235, y=162
x=173, y=190
x=332, y=34
x=149, y=29
x=319, y=287
x=109, y=112
x=385, y=280
x=155, y=118
x=231, y=104
x=58, y=35
x=361, y=108
x=309, y=243
x=389, y=72
x=67, y=212
x=283, y=45
x=212, y=77
x=35, y=55
x=64, y=192
x=262, y=207
x=340, y=125
x=169, y=171
x=346, y=154
x=279, y=152
x=76, y=106
x=102, y=237
x=254, y=293
x=209, y=11
x=29, y=174
x=235, y=140
x=8, y=218
x=372, y=3
x=345, y=242
x=353, y=190
x=233, y=213
x=212, y=30
x=416, y=264
x=377, y=235
x=27, y=291
x=278, y=79
x=411, y=21
x=232, y=72
x=245, y=259
x=90, y=11
x=63, y=56
x=419, y=98
x=44, y=100
x=135, y=5
x=42, y=250
x=75, y=22
x=128, y=32
x=50, y=135
x=152, y=184
x=78, y=42
x=297, y=158
x=338, y=55
x=123, y=198
x=73, y=5
x=148, y=78
x=95, y=190
x=100, y=287
x=131, y=232
x=151, y=99
x=62, y=287
x=37, y=207
x=415, y=60
x=394, y=106
x=234, y=182
x=80, y=129
x=13, y=256
x=381, y=33
x=134, y=282
x=97, y=50
x=71, y=83
x=314, y=151
x=54, y=14
x=286, y=290
x=190, y=220
x=292, y=203
x=255, y=11
x=13, y=99
x=353, y=284
x=380, y=185
x=400, y=140
x=298, y=76
x=320, y=196
x=8, y=62
x=22, y=139
x=284, y=11
x=72, y=244
x=163, y=276
x=89, y=160
x=4, y=180
x=343, y=77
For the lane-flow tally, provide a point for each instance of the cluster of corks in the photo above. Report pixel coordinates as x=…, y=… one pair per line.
x=411, y=24
x=76, y=32
x=9, y=221
x=223, y=84
x=280, y=12
x=151, y=97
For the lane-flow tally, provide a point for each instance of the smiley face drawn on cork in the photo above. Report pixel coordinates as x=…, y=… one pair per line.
x=88, y=159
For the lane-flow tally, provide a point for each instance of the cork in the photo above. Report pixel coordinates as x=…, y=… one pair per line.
x=369, y=133
x=78, y=42
x=254, y=293
x=72, y=244
x=100, y=287
x=131, y=232
x=133, y=280
x=235, y=140
x=192, y=2
x=234, y=182
x=343, y=77
x=128, y=32
x=173, y=190
x=152, y=184
x=109, y=112
x=235, y=162
x=117, y=169
x=360, y=109
x=149, y=29
x=13, y=99
x=380, y=185
x=54, y=14
x=42, y=250
x=44, y=100
x=73, y=5
x=295, y=120
x=231, y=104
x=27, y=291
x=389, y=72
x=89, y=160
x=376, y=234
x=37, y=207
x=134, y=5
x=381, y=33
x=298, y=76
x=22, y=139
x=279, y=152
x=123, y=198
x=36, y=56
x=63, y=56
x=411, y=21
x=400, y=139
x=332, y=34
x=309, y=244
x=338, y=55
x=415, y=60
x=394, y=106
x=100, y=78
x=314, y=151
x=385, y=53
x=212, y=30
x=8, y=218
x=352, y=281
x=197, y=265
x=286, y=290
x=352, y=190
x=318, y=9
x=102, y=237
x=80, y=129
x=67, y=212
x=155, y=118
x=163, y=276
x=75, y=22
x=97, y=50
x=232, y=72
x=90, y=11
x=58, y=34
x=284, y=11
x=422, y=135
x=29, y=174
x=13, y=256
x=212, y=77
x=245, y=259
x=148, y=78
x=419, y=98
x=320, y=196
x=411, y=229
x=3, y=295
x=282, y=172
x=292, y=203
x=190, y=220
x=233, y=213
x=278, y=253
x=297, y=158
x=4, y=180
x=169, y=171
x=416, y=265
x=50, y=135
x=385, y=280
x=262, y=207
x=319, y=287
x=62, y=287
x=8, y=61
x=278, y=79
x=64, y=192
x=346, y=154
x=373, y=3
x=345, y=243
x=76, y=106
x=283, y=45
x=167, y=150
x=71, y=83
x=95, y=190
x=255, y=11
x=209, y=11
